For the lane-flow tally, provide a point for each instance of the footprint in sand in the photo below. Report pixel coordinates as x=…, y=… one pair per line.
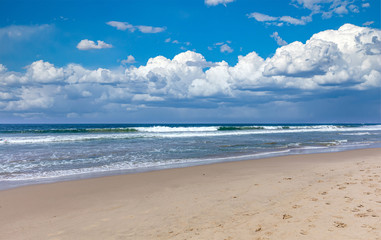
x=348, y=199
x=361, y=215
x=303, y=232
x=339, y=224
x=368, y=226
x=268, y=233
x=286, y=216
x=355, y=210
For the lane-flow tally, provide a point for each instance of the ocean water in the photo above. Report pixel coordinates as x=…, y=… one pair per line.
x=32, y=154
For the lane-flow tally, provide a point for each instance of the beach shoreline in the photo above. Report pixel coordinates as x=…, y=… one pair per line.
x=11, y=184
x=311, y=196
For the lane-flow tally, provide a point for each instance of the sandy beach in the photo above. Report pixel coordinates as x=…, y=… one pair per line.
x=315, y=196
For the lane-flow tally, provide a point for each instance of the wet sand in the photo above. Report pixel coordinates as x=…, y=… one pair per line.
x=314, y=196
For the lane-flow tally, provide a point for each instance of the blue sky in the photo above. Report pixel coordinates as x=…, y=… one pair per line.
x=190, y=61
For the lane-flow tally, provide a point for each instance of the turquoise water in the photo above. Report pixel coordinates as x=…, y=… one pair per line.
x=45, y=153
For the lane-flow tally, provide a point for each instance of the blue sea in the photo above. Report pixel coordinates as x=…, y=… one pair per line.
x=40, y=153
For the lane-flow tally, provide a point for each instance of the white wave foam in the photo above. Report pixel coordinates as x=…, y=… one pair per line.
x=185, y=132
x=165, y=129
x=125, y=166
x=64, y=138
x=357, y=134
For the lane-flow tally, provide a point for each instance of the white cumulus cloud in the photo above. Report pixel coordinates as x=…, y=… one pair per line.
x=279, y=21
x=44, y=72
x=226, y=48
x=132, y=28
x=149, y=29
x=121, y=25
x=216, y=2
x=344, y=59
x=130, y=60
x=86, y=44
x=278, y=39
x=2, y=68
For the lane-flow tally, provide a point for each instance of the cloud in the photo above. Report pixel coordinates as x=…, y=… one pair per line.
x=121, y=25
x=149, y=29
x=44, y=72
x=183, y=45
x=223, y=46
x=86, y=44
x=327, y=8
x=303, y=60
x=2, y=68
x=354, y=8
x=260, y=17
x=132, y=28
x=21, y=32
x=365, y=5
x=216, y=2
x=226, y=48
x=33, y=98
x=313, y=5
x=345, y=60
x=130, y=60
x=279, y=21
x=146, y=98
x=368, y=23
x=278, y=39
x=302, y=21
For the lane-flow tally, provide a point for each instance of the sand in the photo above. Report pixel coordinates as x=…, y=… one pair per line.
x=315, y=196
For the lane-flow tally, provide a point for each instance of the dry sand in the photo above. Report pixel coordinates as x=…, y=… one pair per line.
x=316, y=196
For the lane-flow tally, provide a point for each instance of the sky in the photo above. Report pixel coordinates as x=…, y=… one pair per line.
x=190, y=61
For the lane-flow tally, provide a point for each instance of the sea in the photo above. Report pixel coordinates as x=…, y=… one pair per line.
x=43, y=153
